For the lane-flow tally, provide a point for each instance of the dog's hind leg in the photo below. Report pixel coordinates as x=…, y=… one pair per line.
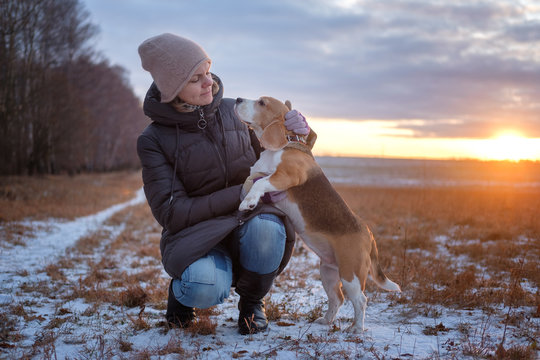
x=353, y=291
x=332, y=286
x=353, y=269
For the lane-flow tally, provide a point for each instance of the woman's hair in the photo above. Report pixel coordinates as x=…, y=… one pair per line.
x=182, y=106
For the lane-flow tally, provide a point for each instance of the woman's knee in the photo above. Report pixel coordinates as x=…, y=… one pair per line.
x=262, y=244
x=199, y=295
x=206, y=282
x=265, y=234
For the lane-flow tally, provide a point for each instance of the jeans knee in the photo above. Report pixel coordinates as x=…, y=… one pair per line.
x=200, y=295
x=206, y=282
x=262, y=244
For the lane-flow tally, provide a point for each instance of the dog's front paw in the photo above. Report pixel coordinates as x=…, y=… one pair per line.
x=249, y=203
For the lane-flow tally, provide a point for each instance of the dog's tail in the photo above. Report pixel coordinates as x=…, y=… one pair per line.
x=376, y=272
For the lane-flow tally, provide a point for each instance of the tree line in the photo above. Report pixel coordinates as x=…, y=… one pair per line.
x=63, y=107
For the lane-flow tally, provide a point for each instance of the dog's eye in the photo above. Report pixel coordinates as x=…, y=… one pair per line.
x=261, y=102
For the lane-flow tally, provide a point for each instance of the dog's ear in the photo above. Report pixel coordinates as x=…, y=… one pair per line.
x=274, y=137
x=288, y=104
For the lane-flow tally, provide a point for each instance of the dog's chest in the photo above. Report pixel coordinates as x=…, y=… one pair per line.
x=268, y=162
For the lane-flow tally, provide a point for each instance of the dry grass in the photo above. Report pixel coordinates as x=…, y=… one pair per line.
x=60, y=196
x=466, y=248
x=495, y=228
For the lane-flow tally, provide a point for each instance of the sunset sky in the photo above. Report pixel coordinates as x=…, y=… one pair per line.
x=422, y=79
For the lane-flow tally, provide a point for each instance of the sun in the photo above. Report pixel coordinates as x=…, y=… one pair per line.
x=507, y=145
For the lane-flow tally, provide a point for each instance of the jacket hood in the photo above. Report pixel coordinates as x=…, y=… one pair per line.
x=165, y=114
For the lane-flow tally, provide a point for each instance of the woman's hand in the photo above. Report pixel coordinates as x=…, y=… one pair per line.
x=296, y=122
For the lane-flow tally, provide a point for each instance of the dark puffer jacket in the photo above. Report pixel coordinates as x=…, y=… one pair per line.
x=193, y=168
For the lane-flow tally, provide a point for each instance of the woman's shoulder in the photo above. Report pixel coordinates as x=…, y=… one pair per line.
x=227, y=104
x=226, y=109
x=154, y=130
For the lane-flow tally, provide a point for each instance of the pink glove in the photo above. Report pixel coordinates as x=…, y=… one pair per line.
x=295, y=121
x=272, y=197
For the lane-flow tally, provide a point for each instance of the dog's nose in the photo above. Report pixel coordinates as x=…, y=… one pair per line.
x=239, y=100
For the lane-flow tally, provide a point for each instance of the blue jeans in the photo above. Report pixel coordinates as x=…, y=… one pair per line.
x=207, y=281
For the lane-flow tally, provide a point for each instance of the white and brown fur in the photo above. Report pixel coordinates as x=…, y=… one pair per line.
x=320, y=216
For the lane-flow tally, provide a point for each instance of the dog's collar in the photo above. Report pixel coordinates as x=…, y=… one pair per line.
x=297, y=138
x=299, y=145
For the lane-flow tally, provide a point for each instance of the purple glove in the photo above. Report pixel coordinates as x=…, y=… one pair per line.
x=296, y=122
x=272, y=197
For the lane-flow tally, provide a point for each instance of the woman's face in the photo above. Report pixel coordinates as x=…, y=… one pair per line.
x=198, y=90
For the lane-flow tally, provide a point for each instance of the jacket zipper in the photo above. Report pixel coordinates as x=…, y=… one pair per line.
x=202, y=123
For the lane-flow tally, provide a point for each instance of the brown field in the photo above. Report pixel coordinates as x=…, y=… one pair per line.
x=60, y=196
x=498, y=228
x=422, y=234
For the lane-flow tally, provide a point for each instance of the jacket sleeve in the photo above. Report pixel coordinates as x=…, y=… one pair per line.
x=167, y=197
x=255, y=144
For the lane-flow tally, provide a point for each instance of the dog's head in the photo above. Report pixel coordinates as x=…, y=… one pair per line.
x=265, y=116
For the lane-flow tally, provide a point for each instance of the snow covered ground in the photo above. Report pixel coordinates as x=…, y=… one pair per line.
x=52, y=326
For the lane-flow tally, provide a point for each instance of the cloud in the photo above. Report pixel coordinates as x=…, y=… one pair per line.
x=462, y=67
x=526, y=32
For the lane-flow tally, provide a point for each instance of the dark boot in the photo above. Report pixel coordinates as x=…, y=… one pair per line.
x=252, y=288
x=177, y=314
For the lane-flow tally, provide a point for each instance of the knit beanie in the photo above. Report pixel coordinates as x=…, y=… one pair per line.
x=171, y=60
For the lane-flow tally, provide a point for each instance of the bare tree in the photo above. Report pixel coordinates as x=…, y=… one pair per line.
x=60, y=108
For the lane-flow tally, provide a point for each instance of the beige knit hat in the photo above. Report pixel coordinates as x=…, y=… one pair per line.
x=171, y=60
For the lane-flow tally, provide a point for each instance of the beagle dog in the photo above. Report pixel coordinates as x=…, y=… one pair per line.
x=320, y=216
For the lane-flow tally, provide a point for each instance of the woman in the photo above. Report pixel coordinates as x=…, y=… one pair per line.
x=195, y=156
